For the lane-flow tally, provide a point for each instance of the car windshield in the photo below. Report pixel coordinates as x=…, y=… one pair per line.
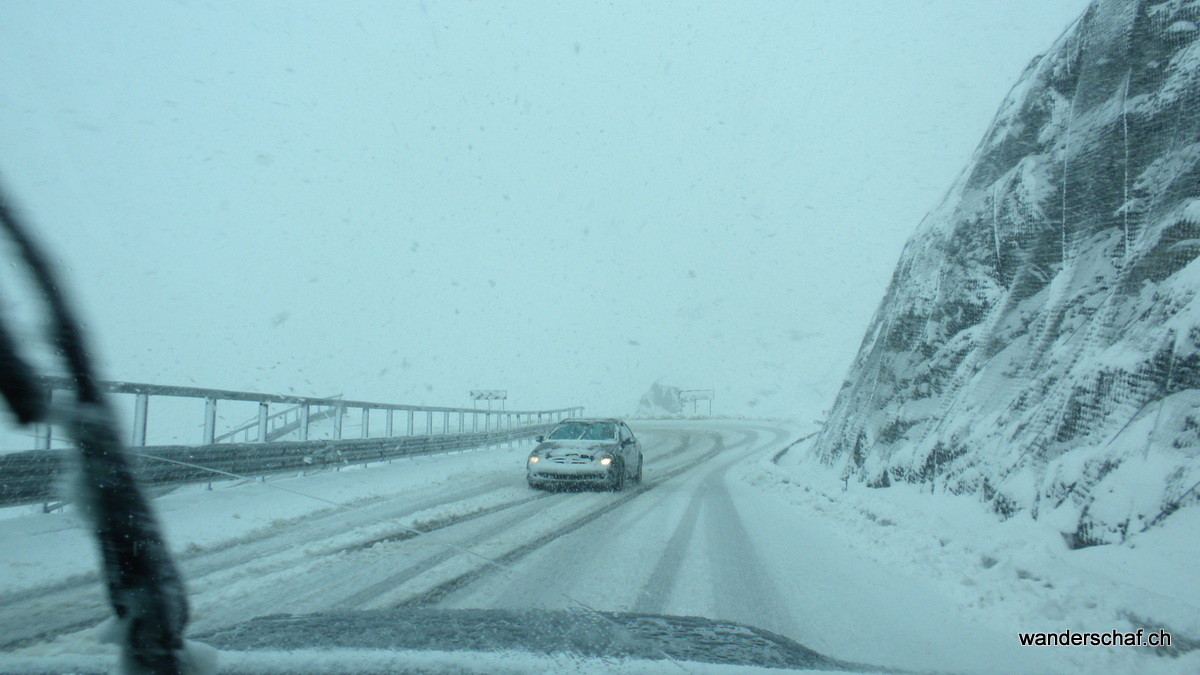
x=864, y=334
x=584, y=431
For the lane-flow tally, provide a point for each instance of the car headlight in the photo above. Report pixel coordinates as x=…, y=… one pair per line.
x=533, y=458
x=606, y=460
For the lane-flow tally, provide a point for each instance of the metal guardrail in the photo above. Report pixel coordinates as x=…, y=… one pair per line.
x=491, y=419
x=279, y=424
x=29, y=477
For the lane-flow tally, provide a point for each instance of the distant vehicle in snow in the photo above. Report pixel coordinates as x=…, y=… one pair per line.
x=586, y=452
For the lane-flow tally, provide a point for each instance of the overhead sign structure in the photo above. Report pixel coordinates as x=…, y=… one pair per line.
x=490, y=395
x=695, y=395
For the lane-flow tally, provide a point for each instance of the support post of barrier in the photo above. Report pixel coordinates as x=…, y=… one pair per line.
x=210, y=420
x=264, y=413
x=141, y=408
x=366, y=422
x=304, y=422
x=388, y=426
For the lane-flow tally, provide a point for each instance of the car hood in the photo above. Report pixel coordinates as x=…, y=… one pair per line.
x=538, y=631
x=590, y=448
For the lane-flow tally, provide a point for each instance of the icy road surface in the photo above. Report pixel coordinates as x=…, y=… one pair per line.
x=701, y=536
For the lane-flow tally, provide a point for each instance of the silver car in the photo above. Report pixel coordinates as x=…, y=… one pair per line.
x=586, y=452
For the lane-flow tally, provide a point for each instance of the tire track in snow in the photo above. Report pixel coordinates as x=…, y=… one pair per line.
x=748, y=595
x=315, y=589
x=443, y=591
x=573, y=556
x=658, y=588
x=39, y=617
x=364, y=596
x=378, y=588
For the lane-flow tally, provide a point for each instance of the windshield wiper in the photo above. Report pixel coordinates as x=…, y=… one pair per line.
x=144, y=586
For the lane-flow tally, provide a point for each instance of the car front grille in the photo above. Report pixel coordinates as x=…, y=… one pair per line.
x=571, y=459
x=567, y=476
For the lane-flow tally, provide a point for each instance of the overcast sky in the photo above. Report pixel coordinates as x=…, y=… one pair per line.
x=404, y=201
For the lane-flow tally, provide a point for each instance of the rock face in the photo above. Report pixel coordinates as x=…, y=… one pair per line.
x=660, y=400
x=1039, y=343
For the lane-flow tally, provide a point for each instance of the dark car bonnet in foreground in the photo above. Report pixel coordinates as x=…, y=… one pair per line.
x=603, y=634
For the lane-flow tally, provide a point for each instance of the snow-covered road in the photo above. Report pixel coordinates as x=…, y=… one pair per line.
x=715, y=530
x=359, y=557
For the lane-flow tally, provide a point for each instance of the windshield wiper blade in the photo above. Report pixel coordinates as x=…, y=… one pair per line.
x=144, y=585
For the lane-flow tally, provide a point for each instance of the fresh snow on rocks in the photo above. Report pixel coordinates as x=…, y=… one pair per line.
x=1039, y=345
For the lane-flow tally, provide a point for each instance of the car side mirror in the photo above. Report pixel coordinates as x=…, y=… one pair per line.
x=627, y=441
x=539, y=439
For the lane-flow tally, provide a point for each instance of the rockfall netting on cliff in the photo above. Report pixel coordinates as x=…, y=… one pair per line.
x=1039, y=343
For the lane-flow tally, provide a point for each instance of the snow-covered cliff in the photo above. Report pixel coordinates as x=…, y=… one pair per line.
x=1039, y=343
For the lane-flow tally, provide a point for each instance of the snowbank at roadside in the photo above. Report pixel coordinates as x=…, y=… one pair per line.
x=1019, y=574
x=37, y=548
